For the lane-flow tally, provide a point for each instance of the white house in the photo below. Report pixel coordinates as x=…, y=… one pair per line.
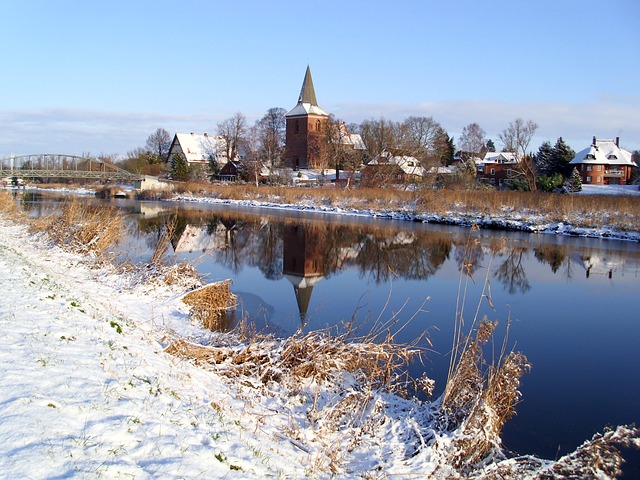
x=604, y=163
x=199, y=148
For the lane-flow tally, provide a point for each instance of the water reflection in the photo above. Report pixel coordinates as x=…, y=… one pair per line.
x=306, y=252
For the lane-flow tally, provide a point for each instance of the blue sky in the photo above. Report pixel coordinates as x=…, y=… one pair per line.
x=101, y=76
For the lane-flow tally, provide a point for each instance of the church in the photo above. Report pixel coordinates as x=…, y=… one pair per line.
x=306, y=124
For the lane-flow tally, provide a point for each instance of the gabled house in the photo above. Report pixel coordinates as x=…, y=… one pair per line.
x=604, y=163
x=199, y=148
x=390, y=168
x=496, y=168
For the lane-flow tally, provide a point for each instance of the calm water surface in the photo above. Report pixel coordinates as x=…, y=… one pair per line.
x=573, y=303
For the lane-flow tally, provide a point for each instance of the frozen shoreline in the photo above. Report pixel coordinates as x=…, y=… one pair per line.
x=89, y=391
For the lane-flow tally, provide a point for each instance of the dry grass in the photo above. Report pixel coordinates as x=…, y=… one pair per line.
x=209, y=303
x=83, y=228
x=586, y=210
x=9, y=208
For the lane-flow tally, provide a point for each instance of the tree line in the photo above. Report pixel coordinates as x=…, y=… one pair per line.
x=262, y=145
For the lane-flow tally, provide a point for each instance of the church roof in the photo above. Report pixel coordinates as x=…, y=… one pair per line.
x=307, y=102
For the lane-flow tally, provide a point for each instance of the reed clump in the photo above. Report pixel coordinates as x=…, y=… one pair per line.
x=9, y=208
x=209, y=303
x=83, y=228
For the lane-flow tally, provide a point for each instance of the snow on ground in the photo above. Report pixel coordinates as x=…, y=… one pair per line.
x=87, y=391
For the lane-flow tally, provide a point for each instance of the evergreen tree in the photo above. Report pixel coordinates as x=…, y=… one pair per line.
x=562, y=155
x=543, y=160
x=575, y=181
x=490, y=146
x=179, y=167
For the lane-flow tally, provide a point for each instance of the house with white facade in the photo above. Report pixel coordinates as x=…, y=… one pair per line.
x=199, y=148
x=604, y=163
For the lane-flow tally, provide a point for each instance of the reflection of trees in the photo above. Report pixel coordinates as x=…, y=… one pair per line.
x=245, y=239
x=469, y=257
x=269, y=255
x=552, y=255
x=415, y=258
x=511, y=272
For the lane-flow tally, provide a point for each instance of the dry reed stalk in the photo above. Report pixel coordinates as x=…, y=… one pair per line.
x=166, y=233
x=82, y=228
x=209, y=303
x=9, y=208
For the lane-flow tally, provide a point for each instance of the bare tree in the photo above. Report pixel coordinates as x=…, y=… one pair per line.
x=158, y=144
x=419, y=137
x=270, y=133
x=516, y=138
x=379, y=135
x=233, y=130
x=472, y=139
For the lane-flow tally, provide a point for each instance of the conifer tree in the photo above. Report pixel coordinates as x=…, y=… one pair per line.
x=543, y=159
x=562, y=155
x=179, y=167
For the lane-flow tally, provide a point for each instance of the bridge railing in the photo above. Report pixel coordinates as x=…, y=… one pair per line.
x=62, y=166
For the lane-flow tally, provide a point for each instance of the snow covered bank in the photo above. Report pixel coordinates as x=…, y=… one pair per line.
x=89, y=390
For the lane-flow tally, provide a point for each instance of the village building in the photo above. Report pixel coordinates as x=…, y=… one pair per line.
x=305, y=137
x=199, y=149
x=604, y=163
x=305, y=125
x=390, y=168
x=496, y=168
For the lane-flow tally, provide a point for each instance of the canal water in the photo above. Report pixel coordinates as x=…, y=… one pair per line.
x=573, y=304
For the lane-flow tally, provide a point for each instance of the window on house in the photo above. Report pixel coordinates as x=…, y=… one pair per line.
x=508, y=172
x=589, y=168
x=599, y=168
x=297, y=129
x=318, y=125
x=597, y=179
x=588, y=178
x=493, y=171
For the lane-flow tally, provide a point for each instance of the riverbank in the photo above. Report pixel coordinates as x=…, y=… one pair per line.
x=595, y=212
x=91, y=389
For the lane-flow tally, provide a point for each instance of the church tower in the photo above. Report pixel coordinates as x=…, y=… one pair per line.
x=305, y=127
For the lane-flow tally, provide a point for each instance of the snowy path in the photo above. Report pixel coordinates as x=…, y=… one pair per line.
x=84, y=394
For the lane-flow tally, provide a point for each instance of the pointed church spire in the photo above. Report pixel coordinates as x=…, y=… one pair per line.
x=307, y=92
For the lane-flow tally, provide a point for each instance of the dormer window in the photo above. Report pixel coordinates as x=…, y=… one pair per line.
x=612, y=157
x=590, y=156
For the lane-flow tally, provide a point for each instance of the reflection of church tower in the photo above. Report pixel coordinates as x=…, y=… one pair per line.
x=305, y=125
x=302, y=263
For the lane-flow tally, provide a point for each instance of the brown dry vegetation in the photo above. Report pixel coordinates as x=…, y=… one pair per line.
x=83, y=228
x=618, y=211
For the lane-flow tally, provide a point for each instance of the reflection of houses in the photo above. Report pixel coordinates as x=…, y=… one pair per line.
x=196, y=238
x=596, y=265
x=496, y=167
x=604, y=163
x=390, y=168
x=302, y=263
x=199, y=148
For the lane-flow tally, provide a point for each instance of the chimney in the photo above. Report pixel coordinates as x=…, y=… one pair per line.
x=594, y=140
x=205, y=134
x=618, y=142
